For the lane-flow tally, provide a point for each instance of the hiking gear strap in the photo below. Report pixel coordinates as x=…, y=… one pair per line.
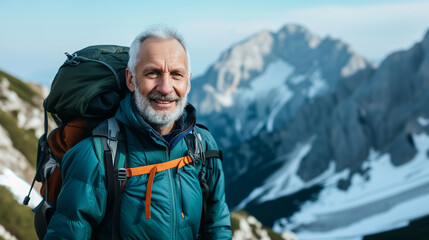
x=196, y=151
x=112, y=148
x=113, y=131
x=152, y=170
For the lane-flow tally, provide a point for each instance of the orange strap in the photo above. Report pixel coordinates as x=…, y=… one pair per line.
x=152, y=170
x=179, y=163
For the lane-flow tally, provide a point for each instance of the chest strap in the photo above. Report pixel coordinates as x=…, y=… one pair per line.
x=152, y=170
x=142, y=170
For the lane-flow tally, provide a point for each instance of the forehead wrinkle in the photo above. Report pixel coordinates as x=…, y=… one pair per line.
x=164, y=67
x=165, y=58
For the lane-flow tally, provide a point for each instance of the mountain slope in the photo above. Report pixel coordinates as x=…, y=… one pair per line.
x=21, y=120
x=363, y=143
x=21, y=123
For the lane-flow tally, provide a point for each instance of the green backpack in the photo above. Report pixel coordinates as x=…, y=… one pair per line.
x=86, y=90
x=90, y=84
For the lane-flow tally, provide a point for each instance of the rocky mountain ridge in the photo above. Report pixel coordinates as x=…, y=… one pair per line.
x=262, y=82
x=372, y=115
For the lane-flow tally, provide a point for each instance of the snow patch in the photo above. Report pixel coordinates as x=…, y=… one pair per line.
x=28, y=116
x=6, y=234
x=423, y=121
x=258, y=128
x=269, y=86
x=285, y=97
x=273, y=77
x=282, y=182
x=387, y=198
x=297, y=79
x=318, y=84
x=19, y=188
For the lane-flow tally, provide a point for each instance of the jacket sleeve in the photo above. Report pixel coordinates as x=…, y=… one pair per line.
x=217, y=222
x=82, y=201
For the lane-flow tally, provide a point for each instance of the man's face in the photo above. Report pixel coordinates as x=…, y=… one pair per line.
x=161, y=81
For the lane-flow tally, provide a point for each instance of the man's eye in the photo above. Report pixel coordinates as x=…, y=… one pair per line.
x=177, y=74
x=152, y=74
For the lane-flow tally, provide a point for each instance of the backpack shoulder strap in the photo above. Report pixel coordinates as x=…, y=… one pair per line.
x=109, y=142
x=105, y=144
x=196, y=150
x=195, y=145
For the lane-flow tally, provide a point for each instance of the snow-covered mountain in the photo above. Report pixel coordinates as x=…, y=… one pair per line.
x=262, y=82
x=346, y=162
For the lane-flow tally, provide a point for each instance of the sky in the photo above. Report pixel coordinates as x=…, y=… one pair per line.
x=35, y=34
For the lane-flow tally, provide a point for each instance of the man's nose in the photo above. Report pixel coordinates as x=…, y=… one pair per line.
x=165, y=86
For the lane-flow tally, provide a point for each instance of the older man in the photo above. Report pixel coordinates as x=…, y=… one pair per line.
x=166, y=202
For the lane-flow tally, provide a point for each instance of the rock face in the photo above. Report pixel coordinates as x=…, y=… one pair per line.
x=21, y=123
x=246, y=227
x=302, y=117
x=21, y=109
x=264, y=81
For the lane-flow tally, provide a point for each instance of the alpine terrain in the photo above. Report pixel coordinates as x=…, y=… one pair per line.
x=318, y=140
x=21, y=122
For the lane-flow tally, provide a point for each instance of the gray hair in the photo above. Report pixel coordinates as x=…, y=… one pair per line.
x=159, y=32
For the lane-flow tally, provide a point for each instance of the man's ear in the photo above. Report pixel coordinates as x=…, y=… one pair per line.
x=189, y=84
x=129, y=78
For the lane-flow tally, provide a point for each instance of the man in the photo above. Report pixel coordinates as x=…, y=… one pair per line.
x=156, y=118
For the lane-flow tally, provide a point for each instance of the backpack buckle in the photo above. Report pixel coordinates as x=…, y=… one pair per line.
x=72, y=59
x=122, y=174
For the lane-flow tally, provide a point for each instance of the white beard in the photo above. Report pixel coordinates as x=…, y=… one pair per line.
x=159, y=120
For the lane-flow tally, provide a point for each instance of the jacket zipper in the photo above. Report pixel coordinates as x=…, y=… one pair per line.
x=173, y=199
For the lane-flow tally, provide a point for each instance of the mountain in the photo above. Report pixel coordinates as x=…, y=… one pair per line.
x=261, y=83
x=317, y=140
x=342, y=161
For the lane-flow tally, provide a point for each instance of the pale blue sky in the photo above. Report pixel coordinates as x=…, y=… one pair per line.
x=35, y=34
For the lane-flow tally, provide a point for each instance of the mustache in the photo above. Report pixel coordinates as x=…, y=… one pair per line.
x=158, y=96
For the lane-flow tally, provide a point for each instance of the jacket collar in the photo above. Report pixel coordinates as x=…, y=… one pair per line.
x=129, y=115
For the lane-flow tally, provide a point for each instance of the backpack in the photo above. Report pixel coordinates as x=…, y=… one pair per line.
x=84, y=97
x=86, y=90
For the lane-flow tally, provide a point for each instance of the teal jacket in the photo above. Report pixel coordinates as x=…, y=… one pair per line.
x=81, y=206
